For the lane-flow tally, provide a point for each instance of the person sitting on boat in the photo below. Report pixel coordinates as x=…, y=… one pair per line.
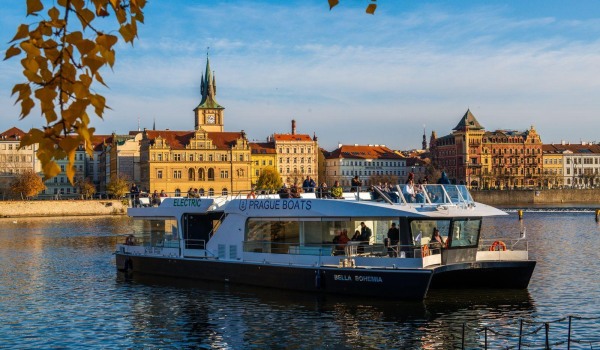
x=436, y=240
x=163, y=194
x=444, y=179
x=393, y=237
x=365, y=233
x=284, y=192
x=296, y=191
x=409, y=191
x=336, y=191
x=341, y=240
x=356, y=184
x=323, y=191
x=309, y=185
x=356, y=236
x=252, y=194
x=155, y=198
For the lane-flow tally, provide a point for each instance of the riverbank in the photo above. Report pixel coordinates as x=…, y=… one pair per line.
x=538, y=197
x=15, y=209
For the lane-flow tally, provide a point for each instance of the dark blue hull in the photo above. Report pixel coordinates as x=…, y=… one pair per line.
x=387, y=283
x=485, y=274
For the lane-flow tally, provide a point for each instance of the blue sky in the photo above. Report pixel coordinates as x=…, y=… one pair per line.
x=350, y=77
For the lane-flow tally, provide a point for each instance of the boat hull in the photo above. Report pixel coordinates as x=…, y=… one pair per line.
x=388, y=283
x=485, y=274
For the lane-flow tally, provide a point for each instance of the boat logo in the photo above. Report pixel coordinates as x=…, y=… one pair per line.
x=243, y=204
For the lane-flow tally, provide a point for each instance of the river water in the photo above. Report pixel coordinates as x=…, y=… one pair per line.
x=59, y=289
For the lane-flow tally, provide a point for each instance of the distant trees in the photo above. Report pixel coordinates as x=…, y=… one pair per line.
x=118, y=186
x=269, y=180
x=86, y=188
x=27, y=185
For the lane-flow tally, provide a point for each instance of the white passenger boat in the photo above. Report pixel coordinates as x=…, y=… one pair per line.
x=293, y=243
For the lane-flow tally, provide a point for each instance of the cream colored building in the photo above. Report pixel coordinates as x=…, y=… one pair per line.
x=297, y=156
x=13, y=160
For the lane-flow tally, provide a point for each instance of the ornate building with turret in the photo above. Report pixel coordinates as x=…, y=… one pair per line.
x=207, y=159
x=489, y=159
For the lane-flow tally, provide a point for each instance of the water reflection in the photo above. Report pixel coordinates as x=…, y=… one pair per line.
x=58, y=289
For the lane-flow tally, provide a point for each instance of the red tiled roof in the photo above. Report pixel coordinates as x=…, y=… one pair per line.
x=575, y=148
x=292, y=137
x=13, y=134
x=179, y=139
x=363, y=152
x=262, y=147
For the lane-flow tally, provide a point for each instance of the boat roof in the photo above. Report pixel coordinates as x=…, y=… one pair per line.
x=456, y=202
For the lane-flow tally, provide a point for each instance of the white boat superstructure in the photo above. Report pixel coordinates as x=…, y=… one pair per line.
x=304, y=243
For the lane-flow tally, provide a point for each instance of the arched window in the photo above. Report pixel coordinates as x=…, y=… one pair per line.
x=201, y=192
x=211, y=192
x=177, y=193
x=191, y=174
x=224, y=191
x=211, y=174
x=201, y=174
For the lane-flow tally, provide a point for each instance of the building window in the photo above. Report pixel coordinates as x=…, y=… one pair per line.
x=210, y=157
x=159, y=157
x=224, y=174
x=191, y=174
x=177, y=174
x=211, y=192
x=211, y=174
x=177, y=192
x=201, y=192
x=223, y=157
x=177, y=157
x=191, y=157
x=201, y=174
x=224, y=191
x=159, y=174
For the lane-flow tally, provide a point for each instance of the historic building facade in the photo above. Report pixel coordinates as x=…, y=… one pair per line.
x=208, y=159
x=579, y=166
x=13, y=160
x=297, y=156
x=489, y=159
x=372, y=163
x=263, y=155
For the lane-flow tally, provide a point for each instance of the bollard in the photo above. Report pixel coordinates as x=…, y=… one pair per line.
x=520, y=212
x=597, y=215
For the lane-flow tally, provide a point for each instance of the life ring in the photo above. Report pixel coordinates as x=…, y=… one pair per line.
x=497, y=246
x=425, y=251
x=130, y=240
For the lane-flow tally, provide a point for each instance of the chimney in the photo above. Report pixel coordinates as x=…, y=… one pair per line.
x=293, y=127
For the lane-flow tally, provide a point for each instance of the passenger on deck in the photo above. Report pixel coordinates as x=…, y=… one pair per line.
x=444, y=179
x=409, y=191
x=341, y=240
x=155, y=198
x=163, y=194
x=309, y=185
x=323, y=191
x=393, y=234
x=356, y=236
x=436, y=240
x=336, y=191
x=252, y=194
x=356, y=184
x=365, y=233
x=296, y=191
x=284, y=192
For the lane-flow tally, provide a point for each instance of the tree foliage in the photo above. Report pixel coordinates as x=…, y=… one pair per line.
x=370, y=7
x=269, y=180
x=63, y=52
x=27, y=185
x=118, y=186
x=86, y=188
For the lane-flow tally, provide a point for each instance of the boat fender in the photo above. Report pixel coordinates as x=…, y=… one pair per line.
x=130, y=240
x=425, y=251
x=497, y=246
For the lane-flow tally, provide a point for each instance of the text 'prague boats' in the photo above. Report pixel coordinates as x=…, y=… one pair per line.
x=305, y=243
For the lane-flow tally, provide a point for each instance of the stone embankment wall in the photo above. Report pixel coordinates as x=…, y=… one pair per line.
x=61, y=208
x=510, y=197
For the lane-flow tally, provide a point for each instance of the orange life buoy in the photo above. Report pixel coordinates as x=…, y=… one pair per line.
x=497, y=246
x=425, y=251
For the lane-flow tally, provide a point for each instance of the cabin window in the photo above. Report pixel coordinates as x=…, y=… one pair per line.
x=422, y=230
x=465, y=233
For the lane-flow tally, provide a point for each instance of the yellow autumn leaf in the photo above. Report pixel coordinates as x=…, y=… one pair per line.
x=30, y=49
x=53, y=13
x=22, y=32
x=86, y=17
x=34, y=6
x=32, y=137
x=126, y=33
x=50, y=169
x=106, y=40
x=93, y=63
x=333, y=3
x=12, y=51
x=371, y=9
x=85, y=46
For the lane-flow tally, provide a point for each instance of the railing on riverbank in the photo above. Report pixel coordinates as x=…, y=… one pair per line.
x=562, y=333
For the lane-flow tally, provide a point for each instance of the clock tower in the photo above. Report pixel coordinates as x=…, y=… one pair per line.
x=208, y=114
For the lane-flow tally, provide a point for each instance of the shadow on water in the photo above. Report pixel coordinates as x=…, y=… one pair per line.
x=256, y=316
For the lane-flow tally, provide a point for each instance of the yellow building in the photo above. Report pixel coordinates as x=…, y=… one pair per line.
x=208, y=159
x=263, y=155
x=552, y=159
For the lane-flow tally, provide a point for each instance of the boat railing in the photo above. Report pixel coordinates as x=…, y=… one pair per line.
x=351, y=249
x=503, y=249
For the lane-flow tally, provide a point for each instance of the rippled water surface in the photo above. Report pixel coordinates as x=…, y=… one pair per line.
x=59, y=289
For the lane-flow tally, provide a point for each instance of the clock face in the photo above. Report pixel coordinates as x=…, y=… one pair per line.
x=210, y=119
